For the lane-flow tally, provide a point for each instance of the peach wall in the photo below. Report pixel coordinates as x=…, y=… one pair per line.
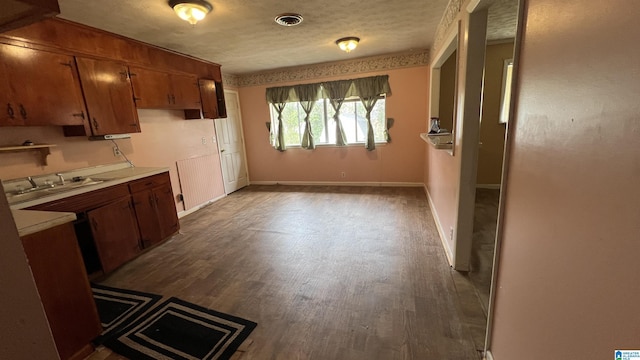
x=24, y=333
x=567, y=284
x=165, y=138
x=400, y=161
x=451, y=175
x=491, y=131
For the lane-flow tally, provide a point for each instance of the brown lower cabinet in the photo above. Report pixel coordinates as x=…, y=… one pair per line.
x=115, y=233
x=155, y=209
x=58, y=271
x=116, y=223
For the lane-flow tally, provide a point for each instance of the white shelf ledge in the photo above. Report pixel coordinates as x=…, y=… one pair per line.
x=440, y=141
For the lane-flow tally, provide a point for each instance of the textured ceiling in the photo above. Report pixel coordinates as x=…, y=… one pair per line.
x=242, y=36
x=502, y=20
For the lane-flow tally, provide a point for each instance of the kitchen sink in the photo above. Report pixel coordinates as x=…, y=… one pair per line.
x=47, y=190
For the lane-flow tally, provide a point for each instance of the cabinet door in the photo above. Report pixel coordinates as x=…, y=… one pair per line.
x=58, y=271
x=146, y=214
x=109, y=97
x=185, y=93
x=115, y=233
x=208, y=97
x=8, y=113
x=152, y=89
x=46, y=90
x=166, y=209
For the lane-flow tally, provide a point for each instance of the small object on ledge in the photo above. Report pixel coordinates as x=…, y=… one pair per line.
x=434, y=127
x=28, y=143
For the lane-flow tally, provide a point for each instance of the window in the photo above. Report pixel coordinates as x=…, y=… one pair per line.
x=323, y=126
x=505, y=102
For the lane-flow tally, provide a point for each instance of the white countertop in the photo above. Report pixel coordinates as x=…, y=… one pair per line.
x=31, y=221
x=110, y=175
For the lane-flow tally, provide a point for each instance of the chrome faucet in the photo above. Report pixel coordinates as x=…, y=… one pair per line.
x=33, y=183
x=61, y=177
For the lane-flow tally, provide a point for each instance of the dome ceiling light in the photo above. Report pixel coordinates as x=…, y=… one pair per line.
x=191, y=11
x=348, y=43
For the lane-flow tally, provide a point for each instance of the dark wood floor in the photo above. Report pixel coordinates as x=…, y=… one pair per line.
x=326, y=272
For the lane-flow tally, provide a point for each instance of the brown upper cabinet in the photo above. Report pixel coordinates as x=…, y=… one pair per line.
x=160, y=90
x=43, y=88
x=106, y=86
x=17, y=13
x=212, y=96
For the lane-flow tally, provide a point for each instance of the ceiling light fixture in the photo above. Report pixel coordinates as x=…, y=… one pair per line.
x=191, y=11
x=348, y=43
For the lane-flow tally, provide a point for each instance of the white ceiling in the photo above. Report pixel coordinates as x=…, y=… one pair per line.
x=241, y=35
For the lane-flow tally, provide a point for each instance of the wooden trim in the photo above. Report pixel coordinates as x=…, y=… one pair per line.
x=339, y=183
x=184, y=213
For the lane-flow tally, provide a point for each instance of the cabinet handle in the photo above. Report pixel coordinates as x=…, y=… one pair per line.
x=125, y=74
x=169, y=98
x=173, y=99
x=23, y=112
x=134, y=125
x=95, y=124
x=156, y=198
x=80, y=115
x=69, y=64
x=10, y=111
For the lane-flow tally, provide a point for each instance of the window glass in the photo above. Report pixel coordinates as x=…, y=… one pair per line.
x=323, y=126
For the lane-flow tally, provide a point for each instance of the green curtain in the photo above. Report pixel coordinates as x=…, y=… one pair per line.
x=307, y=95
x=369, y=89
x=336, y=92
x=278, y=97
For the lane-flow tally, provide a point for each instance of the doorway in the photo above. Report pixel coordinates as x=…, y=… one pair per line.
x=500, y=51
x=231, y=145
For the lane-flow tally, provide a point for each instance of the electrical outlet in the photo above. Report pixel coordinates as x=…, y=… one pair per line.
x=451, y=233
x=204, y=140
x=116, y=151
x=343, y=174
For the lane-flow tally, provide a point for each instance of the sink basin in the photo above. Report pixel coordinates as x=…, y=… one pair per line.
x=29, y=195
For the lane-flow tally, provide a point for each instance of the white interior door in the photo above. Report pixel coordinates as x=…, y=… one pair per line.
x=231, y=145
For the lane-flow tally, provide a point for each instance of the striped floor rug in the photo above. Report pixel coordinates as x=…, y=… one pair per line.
x=140, y=329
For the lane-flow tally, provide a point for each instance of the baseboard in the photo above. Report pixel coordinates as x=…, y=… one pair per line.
x=488, y=186
x=339, y=183
x=441, y=232
x=184, y=213
x=487, y=355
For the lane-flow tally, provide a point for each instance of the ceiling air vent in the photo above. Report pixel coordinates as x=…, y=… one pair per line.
x=289, y=19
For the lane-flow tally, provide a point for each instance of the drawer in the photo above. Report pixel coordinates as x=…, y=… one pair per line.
x=87, y=201
x=149, y=182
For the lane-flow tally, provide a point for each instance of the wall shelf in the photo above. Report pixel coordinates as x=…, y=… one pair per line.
x=43, y=149
x=440, y=141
